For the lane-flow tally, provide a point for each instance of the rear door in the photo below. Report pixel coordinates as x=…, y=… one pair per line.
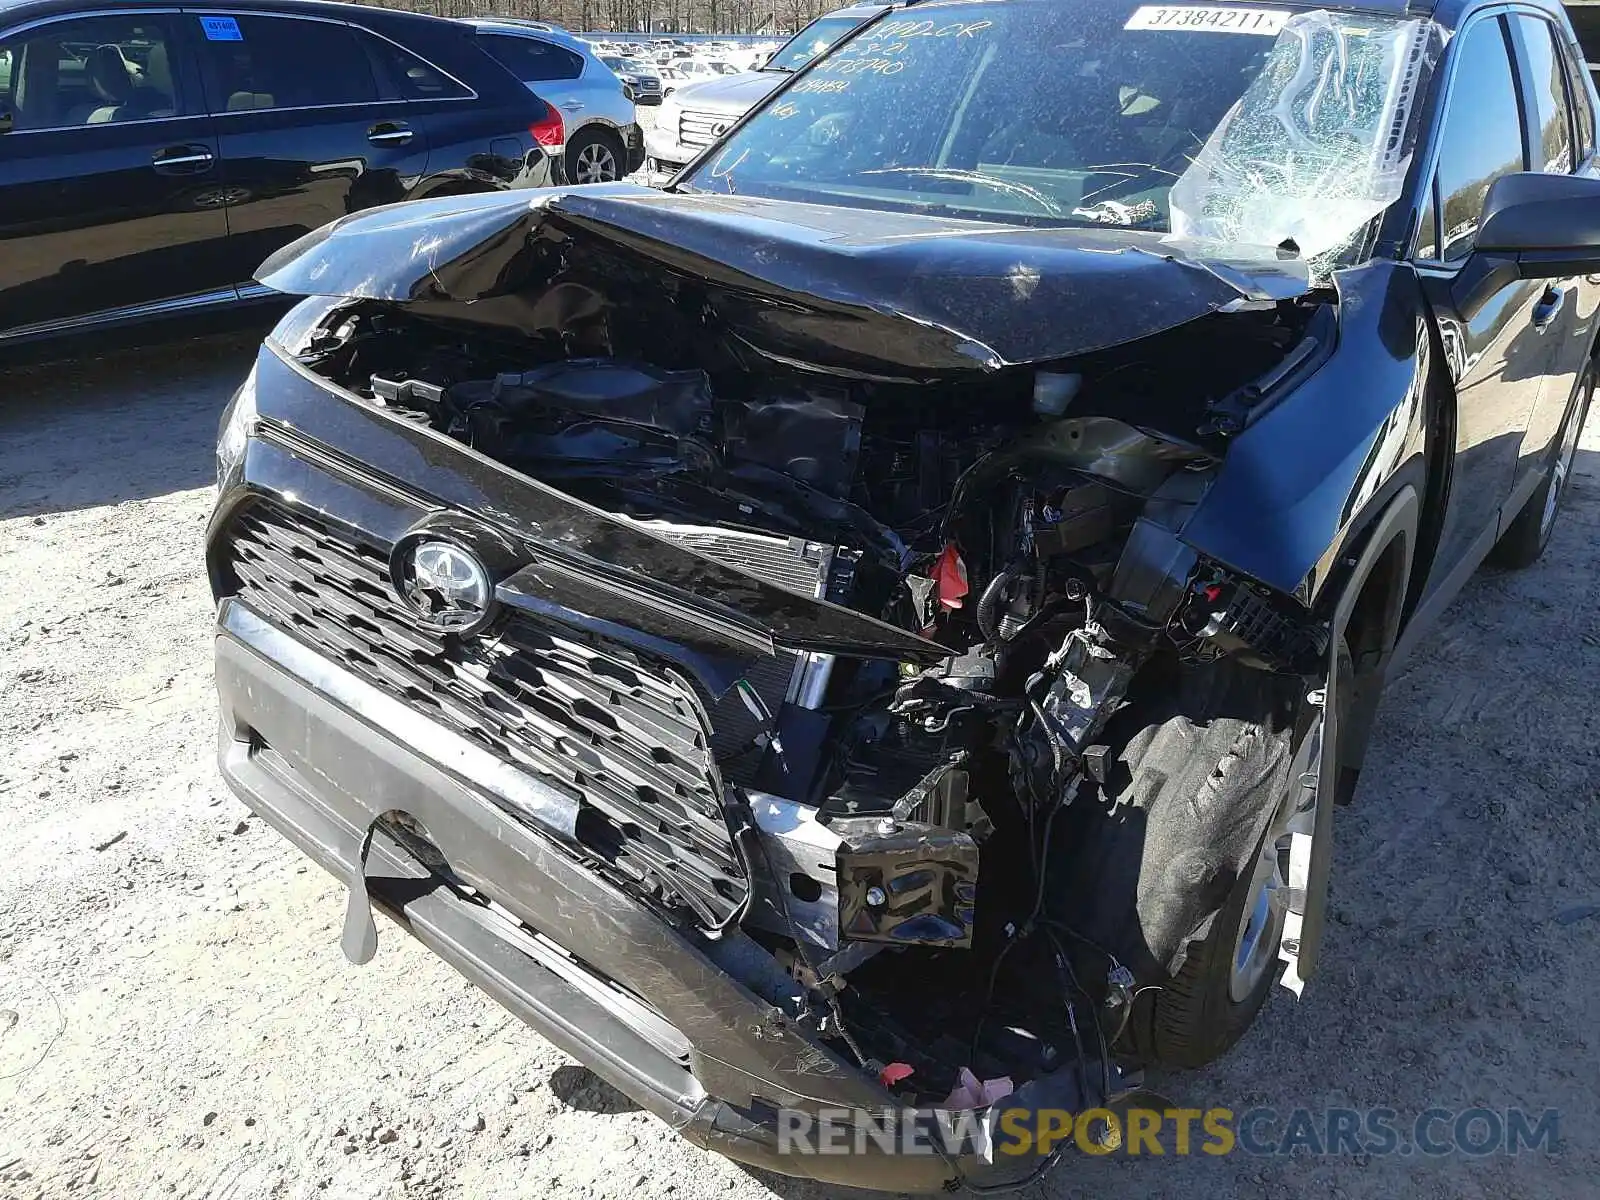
x=110, y=167
x=306, y=135
x=1563, y=137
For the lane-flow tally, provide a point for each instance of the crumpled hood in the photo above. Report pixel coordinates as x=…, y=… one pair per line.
x=848, y=288
x=730, y=94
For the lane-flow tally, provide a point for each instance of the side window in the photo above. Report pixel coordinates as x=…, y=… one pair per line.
x=255, y=61
x=1428, y=230
x=1482, y=135
x=1552, y=150
x=408, y=77
x=1582, y=109
x=530, y=59
x=92, y=71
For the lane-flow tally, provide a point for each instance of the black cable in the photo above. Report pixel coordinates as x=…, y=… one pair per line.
x=1068, y=985
x=1127, y=1014
x=1084, y=938
x=1023, y=933
x=1072, y=980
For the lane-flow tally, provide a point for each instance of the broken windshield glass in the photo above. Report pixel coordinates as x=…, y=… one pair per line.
x=1320, y=142
x=1233, y=125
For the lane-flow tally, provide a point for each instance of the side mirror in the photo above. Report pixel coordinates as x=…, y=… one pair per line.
x=1548, y=224
x=6, y=120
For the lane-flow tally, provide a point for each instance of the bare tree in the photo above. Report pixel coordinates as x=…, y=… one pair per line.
x=631, y=16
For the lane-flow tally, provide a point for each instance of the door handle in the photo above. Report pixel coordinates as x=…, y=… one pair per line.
x=182, y=160
x=389, y=133
x=1549, y=307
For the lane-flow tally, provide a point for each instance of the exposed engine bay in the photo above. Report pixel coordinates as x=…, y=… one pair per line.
x=954, y=866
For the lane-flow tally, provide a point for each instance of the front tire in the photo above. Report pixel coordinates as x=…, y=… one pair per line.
x=1177, y=869
x=1201, y=1012
x=594, y=156
x=1525, y=539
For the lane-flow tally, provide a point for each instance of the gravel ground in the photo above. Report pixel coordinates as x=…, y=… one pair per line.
x=176, y=1018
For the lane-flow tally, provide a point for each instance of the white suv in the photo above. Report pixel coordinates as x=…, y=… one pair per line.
x=700, y=111
x=602, y=138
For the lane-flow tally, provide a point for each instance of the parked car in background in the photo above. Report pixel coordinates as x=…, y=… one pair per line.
x=643, y=78
x=671, y=80
x=695, y=69
x=703, y=111
x=602, y=140
x=150, y=158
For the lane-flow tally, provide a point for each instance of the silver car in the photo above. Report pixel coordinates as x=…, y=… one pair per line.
x=602, y=140
x=697, y=114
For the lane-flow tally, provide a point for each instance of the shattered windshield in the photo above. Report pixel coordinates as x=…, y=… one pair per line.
x=1247, y=124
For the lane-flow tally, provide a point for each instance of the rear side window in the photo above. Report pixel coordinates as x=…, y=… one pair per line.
x=1582, y=109
x=1552, y=148
x=530, y=59
x=256, y=62
x=408, y=77
x=1482, y=135
x=90, y=71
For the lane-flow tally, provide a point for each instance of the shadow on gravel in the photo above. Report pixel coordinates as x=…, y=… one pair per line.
x=581, y=1089
x=789, y=1187
x=127, y=425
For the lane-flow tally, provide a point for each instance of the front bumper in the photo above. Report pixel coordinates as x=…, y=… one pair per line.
x=633, y=148
x=321, y=755
x=664, y=157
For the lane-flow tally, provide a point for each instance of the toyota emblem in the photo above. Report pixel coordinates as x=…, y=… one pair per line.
x=445, y=586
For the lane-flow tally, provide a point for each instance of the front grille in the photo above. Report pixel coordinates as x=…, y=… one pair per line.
x=619, y=736
x=701, y=128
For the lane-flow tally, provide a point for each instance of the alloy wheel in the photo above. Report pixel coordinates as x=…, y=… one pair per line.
x=1255, y=946
x=596, y=164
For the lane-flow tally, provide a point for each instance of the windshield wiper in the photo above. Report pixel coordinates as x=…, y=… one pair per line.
x=956, y=175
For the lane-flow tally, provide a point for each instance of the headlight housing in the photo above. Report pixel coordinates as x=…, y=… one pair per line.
x=238, y=420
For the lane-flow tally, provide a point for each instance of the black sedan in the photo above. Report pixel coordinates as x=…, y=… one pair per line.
x=151, y=158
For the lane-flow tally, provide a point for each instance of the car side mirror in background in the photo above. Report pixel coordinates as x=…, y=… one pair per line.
x=1548, y=224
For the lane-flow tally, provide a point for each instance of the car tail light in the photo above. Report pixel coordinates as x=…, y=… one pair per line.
x=549, y=131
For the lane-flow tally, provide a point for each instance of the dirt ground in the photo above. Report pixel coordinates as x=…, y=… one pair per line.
x=176, y=1019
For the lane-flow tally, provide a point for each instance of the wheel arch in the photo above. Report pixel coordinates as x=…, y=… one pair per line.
x=1369, y=603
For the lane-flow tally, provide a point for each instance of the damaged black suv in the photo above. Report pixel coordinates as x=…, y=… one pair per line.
x=888, y=620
